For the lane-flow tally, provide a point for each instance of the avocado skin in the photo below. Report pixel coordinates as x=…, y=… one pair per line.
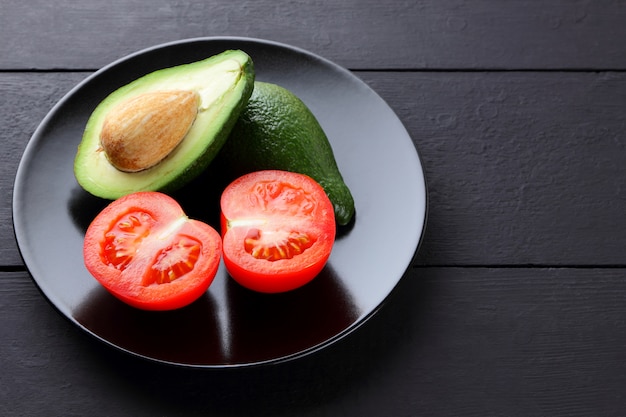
x=180, y=171
x=276, y=130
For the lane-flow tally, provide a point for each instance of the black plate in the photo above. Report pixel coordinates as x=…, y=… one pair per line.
x=230, y=326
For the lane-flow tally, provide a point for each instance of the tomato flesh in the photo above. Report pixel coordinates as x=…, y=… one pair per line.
x=174, y=261
x=122, y=241
x=145, y=251
x=275, y=245
x=278, y=230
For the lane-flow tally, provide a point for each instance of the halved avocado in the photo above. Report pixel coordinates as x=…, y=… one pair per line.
x=223, y=84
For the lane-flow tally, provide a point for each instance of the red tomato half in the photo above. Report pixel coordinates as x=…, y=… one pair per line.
x=278, y=229
x=149, y=254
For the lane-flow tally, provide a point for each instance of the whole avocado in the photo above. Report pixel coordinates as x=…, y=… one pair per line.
x=276, y=130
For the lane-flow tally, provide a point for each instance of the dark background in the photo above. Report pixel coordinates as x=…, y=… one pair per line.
x=515, y=303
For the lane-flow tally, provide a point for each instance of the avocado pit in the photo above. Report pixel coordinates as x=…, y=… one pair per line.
x=140, y=132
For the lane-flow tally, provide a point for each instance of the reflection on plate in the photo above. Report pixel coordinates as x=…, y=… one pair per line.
x=230, y=326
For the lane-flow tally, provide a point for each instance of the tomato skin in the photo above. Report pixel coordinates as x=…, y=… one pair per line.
x=278, y=230
x=145, y=238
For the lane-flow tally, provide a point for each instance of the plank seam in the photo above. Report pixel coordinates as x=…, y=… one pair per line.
x=357, y=70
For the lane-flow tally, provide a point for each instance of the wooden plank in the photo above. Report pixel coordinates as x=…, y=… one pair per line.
x=522, y=168
x=449, y=341
x=359, y=34
x=26, y=99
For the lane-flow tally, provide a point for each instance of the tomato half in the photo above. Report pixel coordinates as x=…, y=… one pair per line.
x=278, y=230
x=145, y=251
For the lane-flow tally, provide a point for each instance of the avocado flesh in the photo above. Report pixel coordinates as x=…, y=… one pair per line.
x=223, y=82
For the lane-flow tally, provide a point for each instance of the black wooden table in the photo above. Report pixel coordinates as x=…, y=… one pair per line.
x=515, y=304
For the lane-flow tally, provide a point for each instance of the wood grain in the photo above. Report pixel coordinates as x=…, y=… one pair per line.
x=359, y=34
x=457, y=341
x=514, y=305
x=522, y=168
x=26, y=99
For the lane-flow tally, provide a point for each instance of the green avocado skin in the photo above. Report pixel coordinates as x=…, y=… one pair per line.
x=212, y=126
x=276, y=130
